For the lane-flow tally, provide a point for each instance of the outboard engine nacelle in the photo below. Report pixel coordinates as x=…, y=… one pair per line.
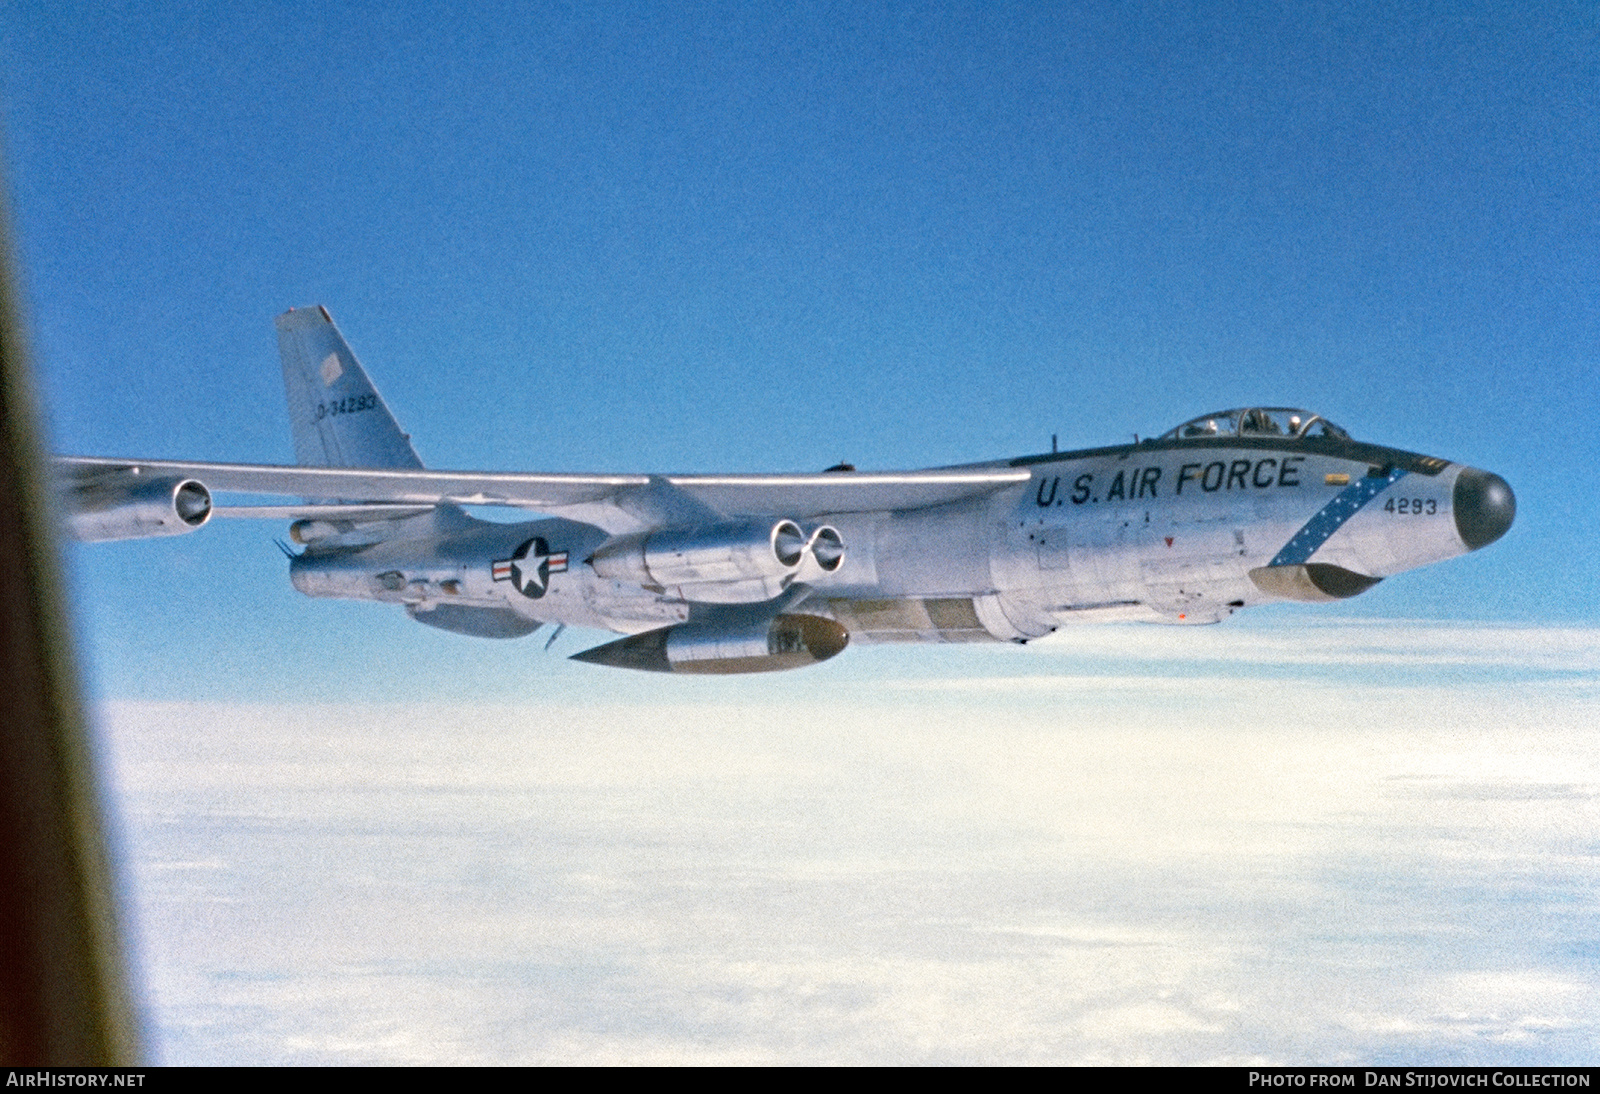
x=138, y=510
x=769, y=645
x=732, y=563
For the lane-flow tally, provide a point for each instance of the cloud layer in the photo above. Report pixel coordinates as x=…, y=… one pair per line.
x=1166, y=864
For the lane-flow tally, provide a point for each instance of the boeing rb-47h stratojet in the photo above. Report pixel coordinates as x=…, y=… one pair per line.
x=752, y=573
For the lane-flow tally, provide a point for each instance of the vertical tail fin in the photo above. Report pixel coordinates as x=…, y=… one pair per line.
x=338, y=417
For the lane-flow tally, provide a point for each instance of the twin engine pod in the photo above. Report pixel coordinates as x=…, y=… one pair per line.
x=118, y=509
x=768, y=645
x=732, y=563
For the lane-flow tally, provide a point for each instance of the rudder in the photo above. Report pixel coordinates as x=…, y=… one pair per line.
x=338, y=417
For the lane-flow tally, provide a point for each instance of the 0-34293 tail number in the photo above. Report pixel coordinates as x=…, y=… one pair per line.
x=354, y=404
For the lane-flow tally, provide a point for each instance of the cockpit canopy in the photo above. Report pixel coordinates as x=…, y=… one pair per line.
x=1260, y=421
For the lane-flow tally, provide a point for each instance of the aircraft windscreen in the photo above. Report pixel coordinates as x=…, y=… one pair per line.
x=1270, y=421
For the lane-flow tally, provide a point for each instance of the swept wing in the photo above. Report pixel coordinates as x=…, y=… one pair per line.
x=614, y=502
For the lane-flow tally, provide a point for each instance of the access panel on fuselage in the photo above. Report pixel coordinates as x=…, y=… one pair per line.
x=1177, y=530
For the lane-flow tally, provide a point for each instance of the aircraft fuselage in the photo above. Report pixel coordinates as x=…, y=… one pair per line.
x=1174, y=530
x=732, y=573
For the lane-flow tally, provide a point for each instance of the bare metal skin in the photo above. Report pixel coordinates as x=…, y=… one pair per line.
x=755, y=573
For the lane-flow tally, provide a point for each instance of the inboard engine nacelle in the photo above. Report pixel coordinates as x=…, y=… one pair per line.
x=119, y=509
x=735, y=562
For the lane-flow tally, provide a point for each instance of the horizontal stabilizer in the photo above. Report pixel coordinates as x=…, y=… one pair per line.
x=362, y=512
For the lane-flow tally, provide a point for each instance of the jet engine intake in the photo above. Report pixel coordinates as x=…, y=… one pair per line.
x=768, y=645
x=117, y=510
x=827, y=547
x=734, y=562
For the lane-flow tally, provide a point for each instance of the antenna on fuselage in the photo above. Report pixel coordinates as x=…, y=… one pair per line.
x=1053, y=448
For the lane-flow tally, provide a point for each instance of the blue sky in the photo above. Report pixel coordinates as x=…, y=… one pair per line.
x=772, y=237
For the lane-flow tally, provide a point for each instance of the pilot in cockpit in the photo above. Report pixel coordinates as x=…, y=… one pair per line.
x=1259, y=421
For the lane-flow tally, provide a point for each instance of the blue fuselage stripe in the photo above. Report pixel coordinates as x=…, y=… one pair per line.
x=1331, y=517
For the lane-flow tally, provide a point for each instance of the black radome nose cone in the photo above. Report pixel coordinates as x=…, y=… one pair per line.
x=1484, y=507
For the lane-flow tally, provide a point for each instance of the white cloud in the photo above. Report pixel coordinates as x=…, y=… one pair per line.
x=1177, y=869
x=1561, y=649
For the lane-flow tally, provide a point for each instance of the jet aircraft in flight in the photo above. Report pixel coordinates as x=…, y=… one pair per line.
x=753, y=573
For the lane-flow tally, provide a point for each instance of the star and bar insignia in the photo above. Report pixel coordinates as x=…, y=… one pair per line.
x=530, y=566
